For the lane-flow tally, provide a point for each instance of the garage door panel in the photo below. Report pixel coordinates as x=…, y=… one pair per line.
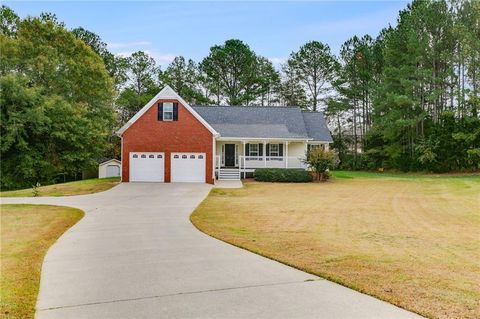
x=188, y=167
x=147, y=166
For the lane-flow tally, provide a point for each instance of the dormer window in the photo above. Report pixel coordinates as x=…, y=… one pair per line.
x=168, y=111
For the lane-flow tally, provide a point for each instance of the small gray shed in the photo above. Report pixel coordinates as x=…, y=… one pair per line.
x=110, y=168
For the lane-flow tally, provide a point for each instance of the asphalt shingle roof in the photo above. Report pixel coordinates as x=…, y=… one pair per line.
x=264, y=122
x=316, y=126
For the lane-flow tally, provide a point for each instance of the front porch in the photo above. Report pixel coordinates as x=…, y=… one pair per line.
x=236, y=158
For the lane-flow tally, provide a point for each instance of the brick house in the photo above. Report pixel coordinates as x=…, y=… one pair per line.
x=170, y=141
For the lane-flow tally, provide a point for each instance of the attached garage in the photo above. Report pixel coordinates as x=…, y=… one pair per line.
x=147, y=166
x=188, y=167
x=166, y=125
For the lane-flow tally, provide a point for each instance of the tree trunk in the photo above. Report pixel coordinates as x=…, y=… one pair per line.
x=355, y=144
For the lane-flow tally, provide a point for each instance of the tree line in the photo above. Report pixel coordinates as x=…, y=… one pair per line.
x=405, y=99
x=409, y=99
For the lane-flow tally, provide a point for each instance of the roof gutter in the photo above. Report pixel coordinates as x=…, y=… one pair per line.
x=265, y=139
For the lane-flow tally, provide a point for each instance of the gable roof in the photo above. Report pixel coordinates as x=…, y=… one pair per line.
x=254, y=121
x=110, y=160
x=268, y=122
x=265, y=122
x=316, y=126
x=166, y=93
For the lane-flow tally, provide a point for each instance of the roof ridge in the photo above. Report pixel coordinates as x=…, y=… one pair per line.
x=251, y=106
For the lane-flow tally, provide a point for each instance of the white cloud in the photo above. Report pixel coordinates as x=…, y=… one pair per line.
x=123, y=45
x=124, y=54
x=162, y=59
x=277, y=61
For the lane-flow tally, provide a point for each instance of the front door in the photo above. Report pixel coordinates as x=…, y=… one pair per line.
x=229, y=155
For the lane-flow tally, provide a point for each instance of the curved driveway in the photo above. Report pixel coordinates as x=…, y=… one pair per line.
x=135, y=254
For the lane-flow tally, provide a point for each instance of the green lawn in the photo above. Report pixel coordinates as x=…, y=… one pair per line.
x=87, y=186
x=363, y=174
x=412, y=240
x=27, y=233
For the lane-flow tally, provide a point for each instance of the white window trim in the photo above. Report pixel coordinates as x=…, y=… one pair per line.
x=167, y=112
x=315, y=146
x=256, y=152
x=272, y=153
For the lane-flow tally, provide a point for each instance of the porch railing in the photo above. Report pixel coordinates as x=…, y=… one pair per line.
x=252, y=162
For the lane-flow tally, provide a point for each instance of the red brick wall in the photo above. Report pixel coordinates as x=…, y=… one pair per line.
x=148, y=134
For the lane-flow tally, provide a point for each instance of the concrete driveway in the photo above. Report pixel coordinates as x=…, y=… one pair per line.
x=135, y=254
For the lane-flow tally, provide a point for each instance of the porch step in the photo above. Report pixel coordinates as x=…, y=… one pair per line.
x=229, y=173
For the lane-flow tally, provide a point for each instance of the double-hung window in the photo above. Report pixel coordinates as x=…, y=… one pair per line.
x=168, y=111
x=274, y=150
x=253, y=150
x=315, y=146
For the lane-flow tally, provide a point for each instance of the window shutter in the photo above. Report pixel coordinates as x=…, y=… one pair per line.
x=247, y=149
x=236, y=154
x=268, y=150
x=160, y=112
x=223, y=155
x=280, y=150
x=260, y=149
x=175, y=111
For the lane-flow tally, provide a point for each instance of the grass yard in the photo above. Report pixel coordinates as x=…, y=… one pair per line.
x=87, y=186
x=413, y=241
x=27, y=231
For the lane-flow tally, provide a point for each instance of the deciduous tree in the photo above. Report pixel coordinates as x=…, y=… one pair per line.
x=56, y=103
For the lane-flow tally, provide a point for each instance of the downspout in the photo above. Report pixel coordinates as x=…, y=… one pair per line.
x=121, y=158
x=214, y=160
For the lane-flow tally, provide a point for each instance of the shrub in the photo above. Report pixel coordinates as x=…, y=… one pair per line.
x=285, y=175
x=35, y=190
x=319, y=161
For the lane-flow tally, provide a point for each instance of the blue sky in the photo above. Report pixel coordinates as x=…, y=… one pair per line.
x=167, y=29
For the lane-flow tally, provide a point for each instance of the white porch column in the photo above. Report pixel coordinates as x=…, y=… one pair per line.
x=264, y=153
x=214, y=146
x=286, y=154
x=242, y=165
x=305, y=154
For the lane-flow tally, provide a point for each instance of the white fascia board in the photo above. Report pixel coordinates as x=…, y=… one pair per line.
x=167, y=93
x=263, y=139
x=111, y=160
x=319, y=142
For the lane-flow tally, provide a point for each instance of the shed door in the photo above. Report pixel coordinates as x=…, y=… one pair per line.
x=188, y=167
x=113, y=170
x=147, y=166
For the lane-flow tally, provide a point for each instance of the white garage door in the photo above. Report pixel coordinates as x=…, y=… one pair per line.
x=188, y=167
x=147, y=167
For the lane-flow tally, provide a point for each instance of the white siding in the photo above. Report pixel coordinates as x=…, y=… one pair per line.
x=296, y=149
x=102, y=168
